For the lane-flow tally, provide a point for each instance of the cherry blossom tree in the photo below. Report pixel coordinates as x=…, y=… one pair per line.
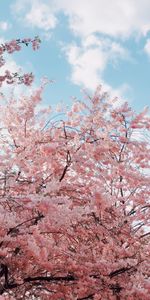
x=74, y=201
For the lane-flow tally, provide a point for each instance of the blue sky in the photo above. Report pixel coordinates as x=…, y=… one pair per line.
x=84, y=43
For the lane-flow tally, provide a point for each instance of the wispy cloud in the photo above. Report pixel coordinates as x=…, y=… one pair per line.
x=4, y=26
x=41, y=17
x=35, y=14
x=147, y=47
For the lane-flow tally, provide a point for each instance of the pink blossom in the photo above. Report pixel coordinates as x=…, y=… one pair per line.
x=28, y=79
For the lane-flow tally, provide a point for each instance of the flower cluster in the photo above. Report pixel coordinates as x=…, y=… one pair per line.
x=15, y=45
x=10, y=47
x=11, y=78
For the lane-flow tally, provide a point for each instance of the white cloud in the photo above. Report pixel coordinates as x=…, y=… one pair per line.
x=114, y=18
x=89, y=60
x=86, y=65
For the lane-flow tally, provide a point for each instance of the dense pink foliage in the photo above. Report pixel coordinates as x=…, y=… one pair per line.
x=74, y=202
